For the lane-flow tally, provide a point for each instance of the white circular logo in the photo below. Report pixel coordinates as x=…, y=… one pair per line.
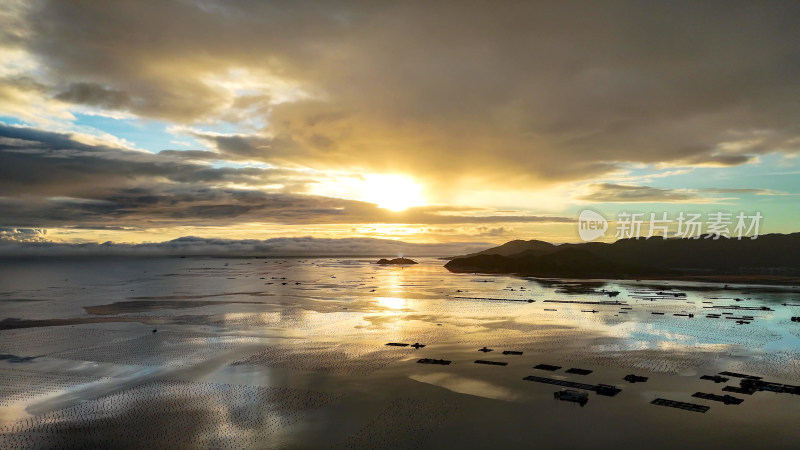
x=591, y=225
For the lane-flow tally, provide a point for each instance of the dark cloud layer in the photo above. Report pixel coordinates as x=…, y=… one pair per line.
x=50, y=180
x=625, y=193
x=628, y=193
x=47, y=163
x=512, y=93
x=95, y=95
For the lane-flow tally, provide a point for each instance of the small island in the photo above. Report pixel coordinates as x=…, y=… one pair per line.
x=396, y=261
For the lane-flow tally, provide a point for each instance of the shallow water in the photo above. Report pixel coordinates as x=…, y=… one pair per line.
x=291, y=353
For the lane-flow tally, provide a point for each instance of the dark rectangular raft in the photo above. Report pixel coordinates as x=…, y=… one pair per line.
x=600, y=389
x=760, y=385
x=578, y=302
x=442, y=362
x=579, y=371
x=680, y=405
x=490, y=363
x=740, y=308
x=739, y=375
x=714, y=378
x=727, y=399
x=546, y=367
x=511, y=352
x=739, y=390
x=416, y=345
x=523, y=300
x=635, y=379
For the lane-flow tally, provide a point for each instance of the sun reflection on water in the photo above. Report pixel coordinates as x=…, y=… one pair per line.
x=392, y=302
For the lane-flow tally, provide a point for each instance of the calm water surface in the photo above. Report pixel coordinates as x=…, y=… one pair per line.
x=291, y=353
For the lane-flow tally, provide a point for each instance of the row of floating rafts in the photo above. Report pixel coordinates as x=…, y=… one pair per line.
x=749, y=384
x=445, y=362
x=586, y=291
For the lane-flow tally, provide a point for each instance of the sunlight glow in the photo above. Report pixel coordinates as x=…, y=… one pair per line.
x=388, y=191
x=393, y=192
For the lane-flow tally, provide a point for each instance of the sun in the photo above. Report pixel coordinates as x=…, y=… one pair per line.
x=392, y=192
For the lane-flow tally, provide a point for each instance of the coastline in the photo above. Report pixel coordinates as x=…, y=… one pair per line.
x=771, y=280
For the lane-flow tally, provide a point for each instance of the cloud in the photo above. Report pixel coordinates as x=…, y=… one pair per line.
x=51, y=180
x=22, y=235
x=624, y=193
x=278, y=247
x=57, y=164
x=519, y=95
x=94, y=95
x=495, y=231
x=752, y=191
x=167, y=205
x=628, y=193
x=196, y=155
x=248, y=147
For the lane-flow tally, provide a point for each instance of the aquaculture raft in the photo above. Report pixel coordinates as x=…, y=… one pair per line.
x=635, y=379
x=739, y=390
x=523, y=300
x=572, y=396
x=416, y=345
x=511, y=352
x=442, y=362
x=491, y=363
x=714, y=378
x=577, y=371
x=546, y=367
x=739, y=375
x=601, y=389
x=680, y=405
x=579, y=302
x=727, y=399
x=740, y=308
x=759, y=385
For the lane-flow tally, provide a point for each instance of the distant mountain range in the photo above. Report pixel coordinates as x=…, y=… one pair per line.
x=24, y=243
x=769, y=258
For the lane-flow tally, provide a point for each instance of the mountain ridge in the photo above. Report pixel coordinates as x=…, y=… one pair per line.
x=767, y=257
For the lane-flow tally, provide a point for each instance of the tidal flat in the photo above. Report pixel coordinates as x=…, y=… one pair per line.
x=291, y=353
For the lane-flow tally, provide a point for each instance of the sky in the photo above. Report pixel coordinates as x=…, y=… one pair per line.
x=427, y=122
